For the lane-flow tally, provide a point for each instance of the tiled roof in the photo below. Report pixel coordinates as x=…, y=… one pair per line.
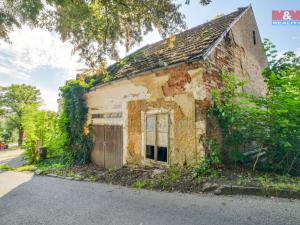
x=183, y=47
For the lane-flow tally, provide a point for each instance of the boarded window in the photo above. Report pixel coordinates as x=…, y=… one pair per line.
x=157, y=137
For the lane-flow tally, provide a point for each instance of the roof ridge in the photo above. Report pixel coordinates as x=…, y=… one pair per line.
x=240, y=9
x=195, y=43
x=243, y=10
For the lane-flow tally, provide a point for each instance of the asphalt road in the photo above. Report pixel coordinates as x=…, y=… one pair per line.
x=12, y=157
x=31, y=200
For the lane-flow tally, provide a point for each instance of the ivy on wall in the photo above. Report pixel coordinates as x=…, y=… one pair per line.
x=73, y=121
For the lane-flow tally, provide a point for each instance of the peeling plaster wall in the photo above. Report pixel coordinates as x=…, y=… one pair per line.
x=169, y=91
x=238, y=54
x=113, y=98
x=184, y=92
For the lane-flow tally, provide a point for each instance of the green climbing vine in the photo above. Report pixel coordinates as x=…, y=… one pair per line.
x=73, y=121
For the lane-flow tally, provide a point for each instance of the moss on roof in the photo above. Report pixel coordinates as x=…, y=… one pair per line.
x=183, y=47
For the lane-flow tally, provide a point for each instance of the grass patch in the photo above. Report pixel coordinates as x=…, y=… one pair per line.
x=43, y=166
x=25, y=168
x=51, y=164
x=93, y=178
x=139, y=184
x=166, y=180
x=5, y=167
x=19, y=168
x=279, y=182
x=64, y=173
x=171, y=179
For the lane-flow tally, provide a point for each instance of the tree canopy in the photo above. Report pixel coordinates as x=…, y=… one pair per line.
x=96, y=28
x=42, y=130
x=15, y=99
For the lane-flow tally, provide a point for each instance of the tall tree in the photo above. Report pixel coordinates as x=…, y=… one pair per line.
x=14, y=100
x=96, y=28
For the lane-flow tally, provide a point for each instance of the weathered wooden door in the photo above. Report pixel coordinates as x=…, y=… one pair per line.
x=113, y=156
x=108, y=146
x=99, y=142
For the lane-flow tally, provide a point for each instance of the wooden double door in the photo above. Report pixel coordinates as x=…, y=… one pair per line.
x=108, y=146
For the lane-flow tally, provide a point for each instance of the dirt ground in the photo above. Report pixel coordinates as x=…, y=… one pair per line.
x=176, y=179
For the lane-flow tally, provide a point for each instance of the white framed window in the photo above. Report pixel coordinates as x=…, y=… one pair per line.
x=157, y=137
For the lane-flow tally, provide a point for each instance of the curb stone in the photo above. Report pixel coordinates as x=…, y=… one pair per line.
x=52, y=175
x=63, y=177
x=241, y=190
x=37, y=172
x=209, y=187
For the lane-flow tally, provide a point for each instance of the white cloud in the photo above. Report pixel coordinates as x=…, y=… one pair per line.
x=50, y=99
x=31, y=48
x=13, y=73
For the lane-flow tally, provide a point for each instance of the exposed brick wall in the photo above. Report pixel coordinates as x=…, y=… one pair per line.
x=179, y=77
x=238, y=54
x=175, y=85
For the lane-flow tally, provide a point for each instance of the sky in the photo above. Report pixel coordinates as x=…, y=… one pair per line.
x=39, y=58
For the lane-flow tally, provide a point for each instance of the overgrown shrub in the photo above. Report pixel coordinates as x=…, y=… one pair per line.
x=282, y=110
x=272, y=122
x=73, y=121
x=211, y=161
x=41, y=128
x=240, y=119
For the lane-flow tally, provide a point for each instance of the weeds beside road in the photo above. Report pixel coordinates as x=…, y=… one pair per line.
x=187, y=180
x=173, y=179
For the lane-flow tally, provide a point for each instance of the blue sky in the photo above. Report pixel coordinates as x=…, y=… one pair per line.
x=39, y=58
x=284, y=37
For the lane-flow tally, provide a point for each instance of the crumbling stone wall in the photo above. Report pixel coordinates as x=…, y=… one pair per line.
x=170, y=90
x=238, y=54
x=174, y=94
x=182, y=136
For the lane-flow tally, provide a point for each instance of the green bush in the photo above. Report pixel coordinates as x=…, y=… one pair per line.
x=41, y=129
x=139, y=184
x=211, y=161
x=237, y=157
x=272, y=122
x=73, y=122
